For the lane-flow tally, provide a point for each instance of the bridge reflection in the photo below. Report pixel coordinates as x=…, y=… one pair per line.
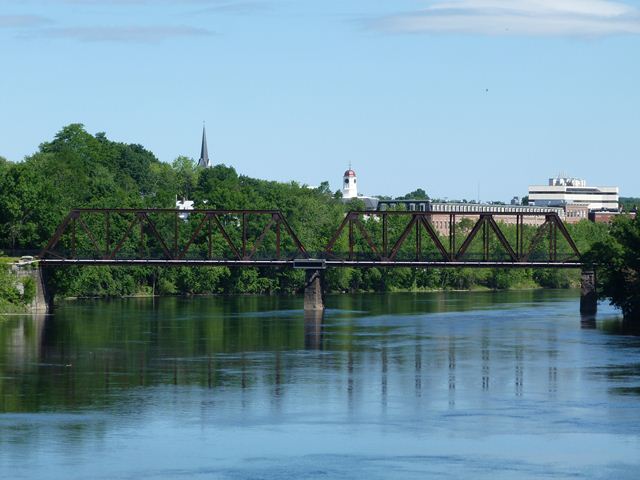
x=84, y=355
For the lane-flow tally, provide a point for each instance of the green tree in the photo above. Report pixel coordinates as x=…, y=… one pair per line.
x=617, y=263
x=418, y=194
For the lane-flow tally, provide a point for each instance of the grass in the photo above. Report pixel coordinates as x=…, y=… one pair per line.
x=8, y=260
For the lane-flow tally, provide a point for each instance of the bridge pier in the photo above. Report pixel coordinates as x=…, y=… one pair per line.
x=313, y=294
x=42, y=301
x=588, y=293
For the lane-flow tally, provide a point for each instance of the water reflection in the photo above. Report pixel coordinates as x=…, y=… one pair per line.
x=83, y=352
x=438, y=364
x=313, y=329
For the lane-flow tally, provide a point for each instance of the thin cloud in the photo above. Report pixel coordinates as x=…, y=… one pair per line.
x=518, y=17
x=22, y=21
x=207, y=6
x=240, y=8
x=130, y=34
x=222, y=4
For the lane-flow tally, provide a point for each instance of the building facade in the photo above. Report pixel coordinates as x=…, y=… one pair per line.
x=564, y=192
x=440, y=212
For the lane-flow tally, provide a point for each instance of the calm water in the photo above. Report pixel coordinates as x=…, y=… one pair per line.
x=475, y=385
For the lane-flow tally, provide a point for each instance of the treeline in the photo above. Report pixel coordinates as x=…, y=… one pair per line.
x=77, y=169
x=629, y=204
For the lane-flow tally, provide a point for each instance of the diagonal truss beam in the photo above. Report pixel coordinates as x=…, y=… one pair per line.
x=403, y=237
x=537, y=238
x=154, y=230
x=565, y=233
x=434, y=238
x=472, y=234
x=502, y=239
x=224, y=233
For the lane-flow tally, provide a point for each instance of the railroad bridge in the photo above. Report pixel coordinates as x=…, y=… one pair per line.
x=363, y=239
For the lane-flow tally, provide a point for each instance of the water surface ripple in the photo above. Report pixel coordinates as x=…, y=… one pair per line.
x=442, y=385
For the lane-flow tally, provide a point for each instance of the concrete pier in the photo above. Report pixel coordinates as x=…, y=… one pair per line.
x=313, y=294
x=588, y=293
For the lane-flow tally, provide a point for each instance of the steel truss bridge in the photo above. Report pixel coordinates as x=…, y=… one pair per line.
x=264, y=238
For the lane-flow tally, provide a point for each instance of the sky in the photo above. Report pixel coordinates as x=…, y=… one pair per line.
x=463, y=98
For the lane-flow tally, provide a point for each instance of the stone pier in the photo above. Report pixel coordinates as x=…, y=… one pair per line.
x=588, y=293
x=42, y=301
x=313, y=294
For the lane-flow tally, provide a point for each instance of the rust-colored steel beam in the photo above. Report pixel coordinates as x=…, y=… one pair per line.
x=396, y=247
x=225, y=235
x=263, y=234
x=294, y=237
x=90, y=235
x=367, y=237
x=565, y=233
x=374, y=254
x=58, y=234
x=156, y=234
x=124, y=238
x=472, y=234
x=537, y=238
x=336, y=235
x=434, y=238
x=502, y=239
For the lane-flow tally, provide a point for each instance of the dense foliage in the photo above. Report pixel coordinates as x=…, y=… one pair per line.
x=629, y=204
x=15, y=294
x=617, y=263
x=77, y=169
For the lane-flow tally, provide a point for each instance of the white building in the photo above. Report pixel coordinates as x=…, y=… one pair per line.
x=349, y=185
x=350, y=191
x=562, y=191
x=185, y=206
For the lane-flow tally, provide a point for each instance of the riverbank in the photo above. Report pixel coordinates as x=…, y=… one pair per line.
x=15, y=293
x=474, y=289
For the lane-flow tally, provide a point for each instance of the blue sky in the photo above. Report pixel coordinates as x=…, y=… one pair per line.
x=445, y=95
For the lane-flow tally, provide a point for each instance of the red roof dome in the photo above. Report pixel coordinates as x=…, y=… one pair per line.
x=349, y=173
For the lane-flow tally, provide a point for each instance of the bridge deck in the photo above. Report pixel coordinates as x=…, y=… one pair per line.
x=290, y=263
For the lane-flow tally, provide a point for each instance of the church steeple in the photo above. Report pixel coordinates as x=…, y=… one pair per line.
x=204, y=152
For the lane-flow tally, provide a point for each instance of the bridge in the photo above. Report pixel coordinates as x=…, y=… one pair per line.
x=264, y=238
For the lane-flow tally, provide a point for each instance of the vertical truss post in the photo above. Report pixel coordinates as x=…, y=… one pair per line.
x=209, y=236
x=278, y=239
x=418, y=241
x=107, y=240
x=521, y=236
x=244, y=235
x=175, y=235
x=485, y=243
x=141, y=235
x=351, y=237
x=452, y=236
x=73, y=237
x=385, y=236
x=553, y=248
x=518, y=236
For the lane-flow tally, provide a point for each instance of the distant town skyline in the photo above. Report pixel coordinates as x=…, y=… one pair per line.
x=448, y=96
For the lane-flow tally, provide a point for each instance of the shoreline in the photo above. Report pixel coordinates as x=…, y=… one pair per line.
x=287, y=295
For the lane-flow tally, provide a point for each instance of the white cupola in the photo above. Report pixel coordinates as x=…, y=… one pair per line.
x=349, y=185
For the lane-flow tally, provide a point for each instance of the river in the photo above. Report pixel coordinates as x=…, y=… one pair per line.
x=442, y=385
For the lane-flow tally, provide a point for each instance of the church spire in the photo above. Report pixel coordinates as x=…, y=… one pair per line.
x=204, y=152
